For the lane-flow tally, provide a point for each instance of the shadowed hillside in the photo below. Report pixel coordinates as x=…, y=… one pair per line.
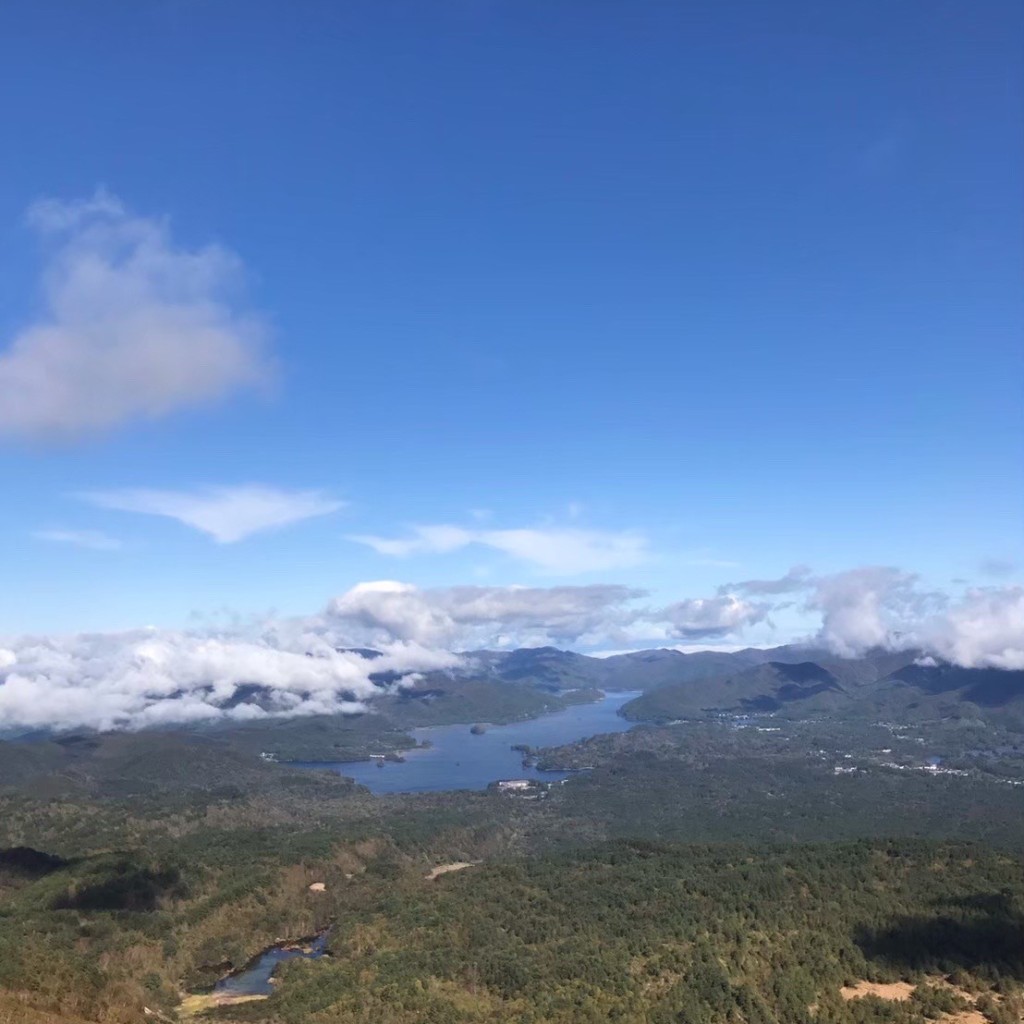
x=879, y=685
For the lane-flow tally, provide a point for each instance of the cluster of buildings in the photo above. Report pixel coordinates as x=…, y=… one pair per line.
x=527, y=789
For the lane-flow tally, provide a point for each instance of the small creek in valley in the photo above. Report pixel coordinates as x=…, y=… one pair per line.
x=255, y=978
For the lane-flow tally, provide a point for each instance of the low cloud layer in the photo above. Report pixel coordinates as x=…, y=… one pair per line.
x=134, y=327
x=153, y=677
x=227, y=514
x=303, y=665
x=298, y=666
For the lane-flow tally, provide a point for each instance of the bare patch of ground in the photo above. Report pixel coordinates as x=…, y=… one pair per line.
x=965, y=1017
x=192, y=1005
x=900, y=991
x=896, y=991
x=443, y=869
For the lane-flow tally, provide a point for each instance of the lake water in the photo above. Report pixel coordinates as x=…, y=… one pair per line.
x=254, y=980
x=457, y=759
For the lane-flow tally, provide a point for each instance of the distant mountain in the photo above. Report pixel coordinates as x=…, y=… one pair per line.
x=881, y=684
x=645, y=670
x=544, y=667
x=766, y=687
x=504, y=686
x=555, y=669
x=985, y=687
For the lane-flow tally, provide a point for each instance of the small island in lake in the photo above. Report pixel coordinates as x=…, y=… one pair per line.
x=478, y=729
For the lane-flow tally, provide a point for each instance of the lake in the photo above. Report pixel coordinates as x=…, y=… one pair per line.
x=458, y=759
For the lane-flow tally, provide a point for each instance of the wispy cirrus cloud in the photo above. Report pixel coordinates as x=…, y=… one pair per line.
x=227, y=514
x=134, y=327
x=555, y=550
x=94, y=540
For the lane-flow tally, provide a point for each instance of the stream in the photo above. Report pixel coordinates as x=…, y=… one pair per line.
x=256, y=978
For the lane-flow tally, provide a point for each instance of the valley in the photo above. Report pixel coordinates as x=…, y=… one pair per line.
x=172, y=858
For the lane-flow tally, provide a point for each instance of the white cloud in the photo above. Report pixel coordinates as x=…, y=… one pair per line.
x=532, y=616
x=885, y=607
x=477, y=617
x=873, y=606
x=712, y=617
x=387, y=609
x=151, y=677
x=302, y=666
x=135, y=326
x=983, y=630
x=227, y=514
x=556, y=550
x=94, y=540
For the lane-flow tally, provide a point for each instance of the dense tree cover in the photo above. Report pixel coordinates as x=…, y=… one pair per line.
x=744, y=797
x=140, y=867
x=777, y=781
x=632, y=931
x=205, y=885
x=637, y=932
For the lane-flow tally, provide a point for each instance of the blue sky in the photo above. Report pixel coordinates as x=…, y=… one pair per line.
x=659, y=294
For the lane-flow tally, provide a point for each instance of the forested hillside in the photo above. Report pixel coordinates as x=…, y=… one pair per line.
x=645, y=932
x=630, y=932
x=889, y=686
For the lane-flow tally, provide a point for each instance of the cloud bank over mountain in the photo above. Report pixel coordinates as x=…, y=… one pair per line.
x=156, y=677
x=882, y=606
x=305, y=665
